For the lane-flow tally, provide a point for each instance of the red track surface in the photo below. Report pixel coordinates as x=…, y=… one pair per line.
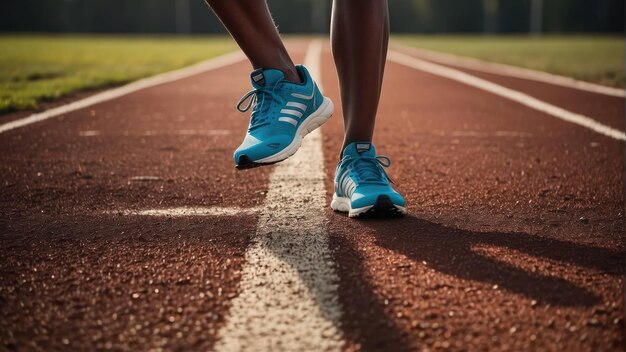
x=513, y=239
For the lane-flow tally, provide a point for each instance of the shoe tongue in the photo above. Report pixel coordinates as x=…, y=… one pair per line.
x=266, y=77
x=360, y=149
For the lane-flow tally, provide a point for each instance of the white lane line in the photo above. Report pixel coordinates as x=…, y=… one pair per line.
x=203, y=132
x=507, y=93
x=208, y=65
x=189, y=211
x=288, y=299
x=511, y=71
x=92, y=133
x=468, y=133
x=181, y=133
x=89, y=133
x=145, y=178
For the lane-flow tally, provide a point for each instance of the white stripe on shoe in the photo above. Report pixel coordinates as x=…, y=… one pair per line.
x=295, y=113
x=300, y=106
x=291, y=120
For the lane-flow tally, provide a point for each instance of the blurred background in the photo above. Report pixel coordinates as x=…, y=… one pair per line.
x=52, y=49
x=407, y=16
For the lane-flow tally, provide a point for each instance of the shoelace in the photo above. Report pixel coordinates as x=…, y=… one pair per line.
x=370, y=169
x=263, y=99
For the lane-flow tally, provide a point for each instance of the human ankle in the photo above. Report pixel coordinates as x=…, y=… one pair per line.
x=292, y=75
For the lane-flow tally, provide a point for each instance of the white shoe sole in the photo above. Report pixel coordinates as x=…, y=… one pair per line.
x=313, y=121
x=382, y=208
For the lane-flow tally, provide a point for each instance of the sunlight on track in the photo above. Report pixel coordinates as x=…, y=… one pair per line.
x=288, y=299
x=211, y=64
x=507, y=93
x=512, y=71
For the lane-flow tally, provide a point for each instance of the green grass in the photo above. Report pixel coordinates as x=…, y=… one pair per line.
x=37, y=68
x=598, y=59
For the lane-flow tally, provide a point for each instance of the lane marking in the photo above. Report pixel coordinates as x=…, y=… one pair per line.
x=180, y=133
x=167, y=77
x=511, y=71
x=89, y=133
x=524, y=99
x=92, y=133
x=145, y=178
x=203, y=132
x=481, y=134
x=288, y=299
x=189, y=211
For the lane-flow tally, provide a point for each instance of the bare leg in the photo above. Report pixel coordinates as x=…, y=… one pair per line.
x=252, y=27
x=360, y=33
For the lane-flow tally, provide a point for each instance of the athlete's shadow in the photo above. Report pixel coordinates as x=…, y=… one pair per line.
x=455, y=252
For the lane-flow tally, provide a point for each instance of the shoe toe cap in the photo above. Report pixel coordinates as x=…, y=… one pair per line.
x=253, y=149
x=367, y=196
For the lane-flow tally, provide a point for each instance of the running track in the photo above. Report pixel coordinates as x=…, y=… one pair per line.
x=125, y=225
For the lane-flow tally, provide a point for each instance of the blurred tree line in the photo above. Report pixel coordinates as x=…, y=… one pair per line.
x=302, y=16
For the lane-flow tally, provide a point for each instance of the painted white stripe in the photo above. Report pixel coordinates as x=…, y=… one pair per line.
x=189, y=211
x=511, y=71
x=208, y=65
x=202, y=132
x=296, y=113
x=507, y=93
x=92, y=133
x=89, y=133
x=297, y=105
x=188, y=133
x=288, y=299
x=145, y=178
x=291, y=120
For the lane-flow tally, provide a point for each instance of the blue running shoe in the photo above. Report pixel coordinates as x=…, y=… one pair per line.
x=283, y=113
x=362, y=186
